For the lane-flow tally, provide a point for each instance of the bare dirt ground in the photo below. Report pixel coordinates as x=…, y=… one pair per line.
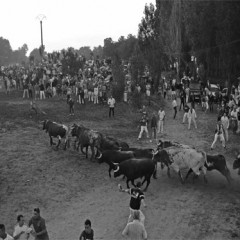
x=69, y=188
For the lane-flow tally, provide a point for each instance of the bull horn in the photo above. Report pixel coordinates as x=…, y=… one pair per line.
x=116, y=169
x=154, y=152
x=116, y=164
x=99, y=156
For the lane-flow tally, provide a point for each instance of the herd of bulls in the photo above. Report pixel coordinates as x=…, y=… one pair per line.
x=135, y=163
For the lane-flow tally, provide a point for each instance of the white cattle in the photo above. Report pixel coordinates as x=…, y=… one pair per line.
x=179, y=159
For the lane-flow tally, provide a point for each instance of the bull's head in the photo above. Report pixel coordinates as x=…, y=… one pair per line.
x=73, y=129
x=99, y=157
x=116, y=170
x=44, y=123
x=236, y=163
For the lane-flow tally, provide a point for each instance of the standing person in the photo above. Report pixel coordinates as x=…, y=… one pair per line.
x=3, y=234
x=219, y=133
x=21, y=230
x=25, y=90
x=182, y=99
x=69, y=92
x=211, y=101
x=238, y=120
x=174, y=105
x=143, y=125
x=81, y=96
x=111, y=104
x=161, y=116
x=95, y=96
x=87, y=233
x=234, y=119
x=186, y=110
x=38, y=223
x=154, y=127
x=192, y=117
x=137, y=198
x=42, y=91
x=135, y=229
x=225, y=123
x=71, y=105
x=148, y=92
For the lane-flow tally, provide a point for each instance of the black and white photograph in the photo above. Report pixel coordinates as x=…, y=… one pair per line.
x=120, y=120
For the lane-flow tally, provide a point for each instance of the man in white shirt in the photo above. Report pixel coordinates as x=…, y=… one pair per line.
x=111, y=104
x=3, y=234
x=135, y=229
x=161, y=115
x=225, y=123
x=192, y=117
x=21, y=230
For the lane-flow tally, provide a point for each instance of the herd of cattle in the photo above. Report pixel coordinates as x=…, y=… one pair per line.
x=134, y=163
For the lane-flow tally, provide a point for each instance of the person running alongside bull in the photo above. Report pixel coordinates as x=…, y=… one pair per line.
x=219, y=133
x=143, y=127
x=137, y=199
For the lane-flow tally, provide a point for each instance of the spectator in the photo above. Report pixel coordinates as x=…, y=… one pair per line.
x=137, y=198
x=111, y=104
x=238, y=120
x=219, y=133
x=225, y=123
x=38, y=223
x=211, y=101
x=87, y=233
x=174, y=105
x=30, y=90
x=69, y=92
x=186, y=110
x=143, y=127
x=25, y=90
x=95, y=96
x=37, y=91
x=135, y=229
x=3, y=234
x=21, y=230
x=182, y=99
x=161, y=116
x=42, y=91
x=71, y=105
x=154, y=127
x=192, y=117
x=234, y=119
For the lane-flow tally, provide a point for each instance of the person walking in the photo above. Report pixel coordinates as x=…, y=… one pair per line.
x=161, y=116
x=186, y=110
x=38, y=223
x=111, y=104
x=174, y=105
x=137, y=199
x=143, y=126
x=192, y=117
x=135, y=229
x=154, y=127
x=87, y=233
x=21, y=230
x=219, y=133
x=225, y=123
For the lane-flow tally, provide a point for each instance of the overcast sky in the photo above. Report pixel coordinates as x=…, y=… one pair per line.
x=68, y=23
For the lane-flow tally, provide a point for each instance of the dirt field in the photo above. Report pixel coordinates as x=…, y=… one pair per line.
x=69, y=188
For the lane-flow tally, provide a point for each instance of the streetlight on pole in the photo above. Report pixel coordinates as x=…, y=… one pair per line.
x=40, y=17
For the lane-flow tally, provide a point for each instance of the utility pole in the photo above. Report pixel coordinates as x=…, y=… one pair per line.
x=41, y=17
x=179, y=37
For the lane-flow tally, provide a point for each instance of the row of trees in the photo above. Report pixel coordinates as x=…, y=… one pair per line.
x=8, y=56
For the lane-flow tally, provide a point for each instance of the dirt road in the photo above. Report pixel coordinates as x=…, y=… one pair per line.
x=69, y=188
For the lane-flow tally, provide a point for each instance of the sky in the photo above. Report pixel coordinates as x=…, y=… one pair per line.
x=68, y=23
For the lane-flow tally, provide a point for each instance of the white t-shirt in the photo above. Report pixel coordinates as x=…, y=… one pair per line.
x=25, y=229
x=111, y=102
x=161, y=115
x=7, y=238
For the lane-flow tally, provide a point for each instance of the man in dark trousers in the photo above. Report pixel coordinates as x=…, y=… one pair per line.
x=40, y=230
